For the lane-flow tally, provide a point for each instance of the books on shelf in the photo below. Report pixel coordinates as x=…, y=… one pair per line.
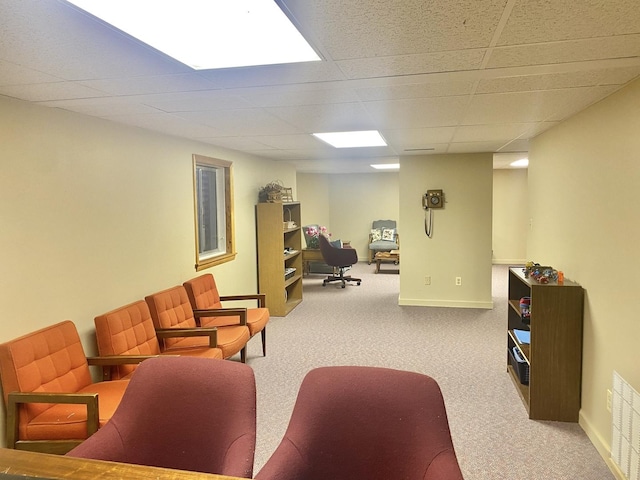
x=523, y=336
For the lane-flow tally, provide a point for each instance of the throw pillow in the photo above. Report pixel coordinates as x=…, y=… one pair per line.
x=336, y=243
x=389, y=234
x=376, y=235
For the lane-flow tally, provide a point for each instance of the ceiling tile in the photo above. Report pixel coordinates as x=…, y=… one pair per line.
x=283, y=97
x=417, y=90
x=521, y=145
x=533, y=21
x=420, y=112
x=167, y=123
x=567, y=51
x=491, y=133
x=262, y=75
x=378, y=28
x=339, y=117
x=412, y=64
x=473, y=147
x=14, y=74
x=50, y=91
x=526, y=107
x=193, y=101
x=618, y=76
x=418, y=138
x=247, y=121
x=182, y=82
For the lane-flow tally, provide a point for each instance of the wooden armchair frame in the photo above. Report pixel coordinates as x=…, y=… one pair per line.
x=49, y=446
x=90, y=400
x=203, y=292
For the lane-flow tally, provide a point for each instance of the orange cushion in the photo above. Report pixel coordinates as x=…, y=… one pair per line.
x=66, y=422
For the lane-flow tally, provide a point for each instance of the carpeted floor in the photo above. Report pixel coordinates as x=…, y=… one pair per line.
x=463, y=349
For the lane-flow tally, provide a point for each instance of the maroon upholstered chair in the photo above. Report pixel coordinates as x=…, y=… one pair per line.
x=365, y=423
x=185, y=413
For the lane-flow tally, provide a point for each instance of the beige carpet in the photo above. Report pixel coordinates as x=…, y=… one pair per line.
x=463, y=349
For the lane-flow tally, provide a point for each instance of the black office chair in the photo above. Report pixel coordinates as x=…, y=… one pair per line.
x=341, y=259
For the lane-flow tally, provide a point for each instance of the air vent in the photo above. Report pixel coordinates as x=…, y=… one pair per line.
x=419, y=149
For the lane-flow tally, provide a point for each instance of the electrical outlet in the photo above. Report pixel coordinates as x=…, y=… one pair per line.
x=609, y=396
x=458, y=280
x=427, y=280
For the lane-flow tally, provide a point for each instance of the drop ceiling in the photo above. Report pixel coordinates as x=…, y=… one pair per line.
x=433, y=76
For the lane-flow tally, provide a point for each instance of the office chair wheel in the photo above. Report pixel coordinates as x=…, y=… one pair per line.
x=343, y=285
x=358, y=283
x=324, y=283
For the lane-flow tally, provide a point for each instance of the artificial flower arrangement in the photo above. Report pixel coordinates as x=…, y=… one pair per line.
x=312, y=233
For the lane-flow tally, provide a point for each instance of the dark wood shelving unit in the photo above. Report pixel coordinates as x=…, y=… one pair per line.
x=554, y=355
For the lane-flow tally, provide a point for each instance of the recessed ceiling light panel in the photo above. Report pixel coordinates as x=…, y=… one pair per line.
x=207, y=34
x=364, y=138
x=386, y=166
x=522, y=163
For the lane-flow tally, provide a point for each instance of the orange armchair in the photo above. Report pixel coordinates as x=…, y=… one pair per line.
x=185, y=413
x=51, y=400
x=170, y=310
x=129, y=331
x=203, y=295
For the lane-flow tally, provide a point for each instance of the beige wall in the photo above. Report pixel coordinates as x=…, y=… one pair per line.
x=460, y=244
x=314, y=197
x=584, y=177
x=510, y=216
x=347, y=204
x=94, y=215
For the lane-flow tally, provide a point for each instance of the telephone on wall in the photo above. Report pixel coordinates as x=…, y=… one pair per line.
x=433, y=199
x=430, y=200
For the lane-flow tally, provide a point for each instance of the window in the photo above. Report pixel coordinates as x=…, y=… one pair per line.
x=213, y=199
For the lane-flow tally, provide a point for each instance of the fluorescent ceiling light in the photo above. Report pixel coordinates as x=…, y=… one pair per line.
x=522, y=163
x=386, y=166
x=366, y=138
x=206, y=34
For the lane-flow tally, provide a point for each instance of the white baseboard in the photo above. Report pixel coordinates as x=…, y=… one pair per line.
x=601, y=446
x=420, y=302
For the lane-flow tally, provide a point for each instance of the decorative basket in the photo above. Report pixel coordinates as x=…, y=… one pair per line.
x=288, y=223
x=271, y=193
x=520, y=366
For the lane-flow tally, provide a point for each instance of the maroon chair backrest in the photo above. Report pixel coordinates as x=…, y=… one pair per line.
x=365, y=423
x=185, y=413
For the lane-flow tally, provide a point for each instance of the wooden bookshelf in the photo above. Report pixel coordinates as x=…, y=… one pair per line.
x=283, y=294
x=554, y=355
